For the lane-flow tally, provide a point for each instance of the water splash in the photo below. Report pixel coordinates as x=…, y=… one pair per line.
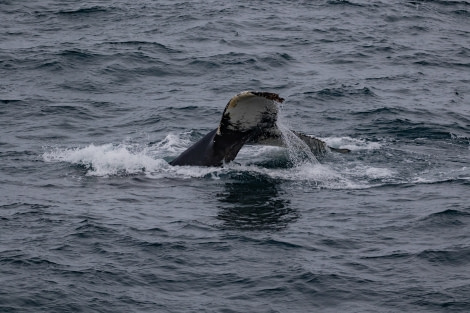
x=302, y=166
x=298, y=151
x=107, y=159
x=172, y=144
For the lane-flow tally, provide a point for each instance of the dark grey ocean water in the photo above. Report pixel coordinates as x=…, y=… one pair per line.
x=97, y=96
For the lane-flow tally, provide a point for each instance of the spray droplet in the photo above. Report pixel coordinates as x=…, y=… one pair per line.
x=298, y=151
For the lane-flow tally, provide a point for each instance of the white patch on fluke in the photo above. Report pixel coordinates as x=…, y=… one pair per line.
x=247, y=109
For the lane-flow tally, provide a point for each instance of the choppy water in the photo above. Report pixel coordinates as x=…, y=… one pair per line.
x=96, y=97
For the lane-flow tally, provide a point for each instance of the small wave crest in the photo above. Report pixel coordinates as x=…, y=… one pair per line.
x=107, y=159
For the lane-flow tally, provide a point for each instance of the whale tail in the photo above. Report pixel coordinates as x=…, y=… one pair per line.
x=249, y=117
x=245, y=117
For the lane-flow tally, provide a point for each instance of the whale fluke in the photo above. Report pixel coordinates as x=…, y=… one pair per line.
x=249, y=117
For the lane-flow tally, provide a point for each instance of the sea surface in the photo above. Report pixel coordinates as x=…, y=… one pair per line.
x=96, y=97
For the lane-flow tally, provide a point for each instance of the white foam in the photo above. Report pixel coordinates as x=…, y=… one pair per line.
x=173, y=143
x=317, y=174
x=352, y=144
x=127, y=158
x=436, y=176
x=133, y=158
x=187, y=172
x=107, y=159
x=124, y=159
x=378, y=172
x=307, y=174
x=361, y=171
